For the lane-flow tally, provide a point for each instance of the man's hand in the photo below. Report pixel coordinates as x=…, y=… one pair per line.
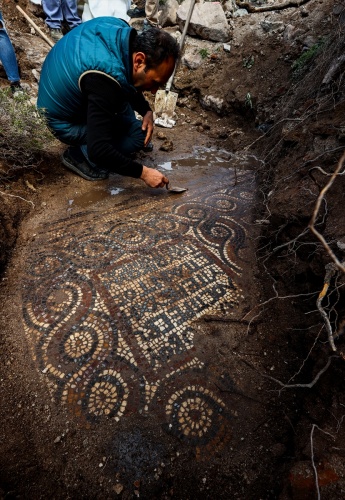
x=148, y=126
x=153, y=178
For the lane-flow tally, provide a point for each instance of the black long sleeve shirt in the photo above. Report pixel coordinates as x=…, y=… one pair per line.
x=105, y=99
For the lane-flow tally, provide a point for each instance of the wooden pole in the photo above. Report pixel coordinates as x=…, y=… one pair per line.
x=39, y=31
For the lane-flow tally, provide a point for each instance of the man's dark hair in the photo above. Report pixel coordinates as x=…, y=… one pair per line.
x=157, y=45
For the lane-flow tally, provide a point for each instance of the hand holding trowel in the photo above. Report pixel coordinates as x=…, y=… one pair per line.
x=165, y=101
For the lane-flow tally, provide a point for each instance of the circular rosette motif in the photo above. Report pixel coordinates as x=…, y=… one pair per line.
x=133, y=236
x=247, y=195
x=194, y=212
x=194, y=414
x=221, y=202
x=66, y=349
x=90, y=250
x=42, y=265
x=216, y=232
x=106, y=395
x=169, y=225
x=97, y=394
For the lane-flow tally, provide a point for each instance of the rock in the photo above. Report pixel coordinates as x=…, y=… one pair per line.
x=309, y=41
x=268, y=25
x=192, y=58
x=192, y=105
x=161, y=135
x=167, y=16
x=182, y=102
x=118, y=488
x=208, y=21
x=32, y=46
x=240, y=13
x=36, y=74
x=291, y=33
x=226, y=47
x=213, y=103
x=229, y=6
x=167, y=146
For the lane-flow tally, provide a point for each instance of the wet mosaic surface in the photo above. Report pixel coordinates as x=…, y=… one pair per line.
x=110, y=297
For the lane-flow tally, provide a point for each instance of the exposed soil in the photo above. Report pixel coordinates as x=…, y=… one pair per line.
x=293, y=125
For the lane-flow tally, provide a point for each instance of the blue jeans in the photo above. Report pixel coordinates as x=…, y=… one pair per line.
x=7, y=54
x=58, y=10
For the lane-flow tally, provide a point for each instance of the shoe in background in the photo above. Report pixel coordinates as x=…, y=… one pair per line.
x=55, y=34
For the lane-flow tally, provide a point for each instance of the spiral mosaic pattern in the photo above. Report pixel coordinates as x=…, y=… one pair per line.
x=109, y=304
x=107, y=395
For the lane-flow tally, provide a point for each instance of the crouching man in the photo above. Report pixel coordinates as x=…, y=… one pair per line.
x=91, y=82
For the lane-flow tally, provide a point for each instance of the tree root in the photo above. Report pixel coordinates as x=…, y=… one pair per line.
x=264, y=8
x=316, y=212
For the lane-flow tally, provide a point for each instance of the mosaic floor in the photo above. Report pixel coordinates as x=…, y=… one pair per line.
x=110, y=297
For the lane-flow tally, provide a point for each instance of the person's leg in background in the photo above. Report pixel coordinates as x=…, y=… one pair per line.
x=54, y=18
x=70, y=13
x=8, y=58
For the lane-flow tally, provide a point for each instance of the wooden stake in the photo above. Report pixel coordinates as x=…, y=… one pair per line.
x=39, y=31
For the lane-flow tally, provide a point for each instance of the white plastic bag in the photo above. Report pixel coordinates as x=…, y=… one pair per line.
x=114, y=8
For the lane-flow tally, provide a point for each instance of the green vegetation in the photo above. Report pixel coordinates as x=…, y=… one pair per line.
x=301, y=65
x=248, y=62
x=248, y=101
x=23, y=132
x=203, y=53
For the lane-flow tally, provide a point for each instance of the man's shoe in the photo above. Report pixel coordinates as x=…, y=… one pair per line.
x=136, y=12
x=55, y=34
x=148, y=148
x=71, y=158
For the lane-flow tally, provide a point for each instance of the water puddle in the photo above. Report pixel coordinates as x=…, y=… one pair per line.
x=181, y=171
x=167, y=165
x=93, y=196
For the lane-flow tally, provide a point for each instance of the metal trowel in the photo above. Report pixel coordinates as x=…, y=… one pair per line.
x=175, y=189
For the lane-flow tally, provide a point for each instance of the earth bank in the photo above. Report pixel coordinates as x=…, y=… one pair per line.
x=291, y=120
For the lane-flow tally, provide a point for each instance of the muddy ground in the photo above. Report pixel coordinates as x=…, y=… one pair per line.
x=292, y=124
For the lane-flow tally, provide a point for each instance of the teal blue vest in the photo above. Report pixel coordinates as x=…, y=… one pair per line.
x=99, y=45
